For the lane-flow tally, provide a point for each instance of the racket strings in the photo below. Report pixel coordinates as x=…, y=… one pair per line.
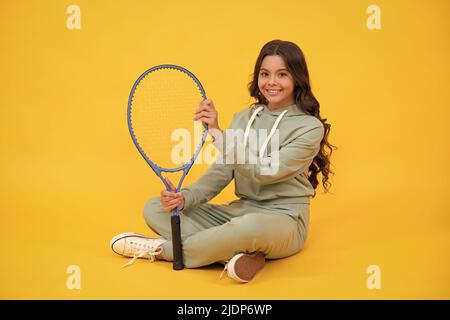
x=162, y=111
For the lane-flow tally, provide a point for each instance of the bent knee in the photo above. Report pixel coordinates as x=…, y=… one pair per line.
x=251, y=226
x=277, y=236
x=152, y=208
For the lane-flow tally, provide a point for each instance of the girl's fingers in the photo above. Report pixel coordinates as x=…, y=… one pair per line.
x=204, y=106
x=170, y=195
x=205, y=102
x=199, y=110
x=206, y=120
x=203, y=114
x=166, y=193
x=170, y=183
x=173, y=202
x=167, y=209
x=170, y=208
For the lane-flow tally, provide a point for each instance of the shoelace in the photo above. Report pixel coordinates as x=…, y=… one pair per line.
x=152, y=253
x=223, y=271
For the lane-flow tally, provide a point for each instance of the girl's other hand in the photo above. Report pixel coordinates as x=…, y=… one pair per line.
x=171, y=199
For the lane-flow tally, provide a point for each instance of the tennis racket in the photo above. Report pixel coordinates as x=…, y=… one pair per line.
x=160, y=109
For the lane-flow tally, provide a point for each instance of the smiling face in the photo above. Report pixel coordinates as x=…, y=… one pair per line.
x=276, y=83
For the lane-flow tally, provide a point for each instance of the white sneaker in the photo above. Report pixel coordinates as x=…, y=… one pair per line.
x=135, y=245
x=243, y=267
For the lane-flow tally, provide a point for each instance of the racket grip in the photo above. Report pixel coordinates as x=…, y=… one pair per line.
x=176, y=243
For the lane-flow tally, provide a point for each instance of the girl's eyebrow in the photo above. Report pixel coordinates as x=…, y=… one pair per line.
x=283, y=69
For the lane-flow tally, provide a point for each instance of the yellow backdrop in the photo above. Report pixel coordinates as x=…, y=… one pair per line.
x=70, y=177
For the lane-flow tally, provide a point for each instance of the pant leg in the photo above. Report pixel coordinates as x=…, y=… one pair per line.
x=215, y=233
x=275, y=235
x=192, y=220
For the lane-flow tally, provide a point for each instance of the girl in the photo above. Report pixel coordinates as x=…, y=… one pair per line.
x=270, y=218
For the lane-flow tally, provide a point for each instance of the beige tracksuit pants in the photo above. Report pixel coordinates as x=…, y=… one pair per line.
x=215, y=233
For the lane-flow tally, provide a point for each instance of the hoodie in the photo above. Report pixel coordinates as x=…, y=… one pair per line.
x=279, y=146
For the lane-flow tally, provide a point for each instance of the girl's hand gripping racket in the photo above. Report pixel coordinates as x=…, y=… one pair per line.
x=160, y=108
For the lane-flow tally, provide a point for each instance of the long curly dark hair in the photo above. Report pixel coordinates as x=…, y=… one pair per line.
x=304, y=99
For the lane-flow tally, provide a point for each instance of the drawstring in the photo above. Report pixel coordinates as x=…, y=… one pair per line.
x=274, y=128
x=249, y=124
x=272, y=131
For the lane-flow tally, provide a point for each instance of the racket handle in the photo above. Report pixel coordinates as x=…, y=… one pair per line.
x=176, y=243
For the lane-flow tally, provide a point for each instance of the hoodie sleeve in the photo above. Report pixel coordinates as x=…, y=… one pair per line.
x=215, y=179
x=283, y=164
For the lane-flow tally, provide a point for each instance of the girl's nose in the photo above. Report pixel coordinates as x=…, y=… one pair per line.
x=272, y=80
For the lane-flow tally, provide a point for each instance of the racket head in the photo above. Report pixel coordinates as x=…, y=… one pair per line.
x=161, y=105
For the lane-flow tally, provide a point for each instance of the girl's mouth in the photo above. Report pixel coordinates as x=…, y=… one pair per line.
x=272, y=92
